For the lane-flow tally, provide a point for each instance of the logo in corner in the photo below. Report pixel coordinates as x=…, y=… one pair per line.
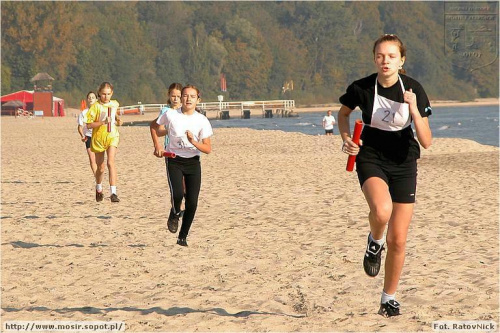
x=471, y=33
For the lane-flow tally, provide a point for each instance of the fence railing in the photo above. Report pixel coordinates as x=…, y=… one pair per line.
x=219, y=109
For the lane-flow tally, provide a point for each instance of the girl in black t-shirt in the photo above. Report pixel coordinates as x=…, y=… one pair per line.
x=386, y=161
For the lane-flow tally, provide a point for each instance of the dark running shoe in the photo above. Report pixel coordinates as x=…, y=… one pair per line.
x=173, y=222
x=114, y=198
x=182, y=242
x=389, y=309
x=98, y=196
x=373, y=258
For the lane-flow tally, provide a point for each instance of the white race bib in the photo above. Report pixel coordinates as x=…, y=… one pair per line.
x=389, y=115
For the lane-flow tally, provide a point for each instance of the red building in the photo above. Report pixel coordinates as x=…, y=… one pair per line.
x=27, y=98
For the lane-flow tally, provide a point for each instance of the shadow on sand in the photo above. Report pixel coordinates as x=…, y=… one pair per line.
x=173, y=311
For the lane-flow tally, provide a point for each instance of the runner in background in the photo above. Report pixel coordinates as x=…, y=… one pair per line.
x=105, y=138
x=85, y=132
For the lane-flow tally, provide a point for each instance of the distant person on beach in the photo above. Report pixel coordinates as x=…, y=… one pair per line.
x=105, y=138
x=386, y=161
x=85, y=132
x=189, y=135
x=328, y=122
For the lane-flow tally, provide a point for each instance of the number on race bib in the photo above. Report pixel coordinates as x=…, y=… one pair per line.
x=388, y=113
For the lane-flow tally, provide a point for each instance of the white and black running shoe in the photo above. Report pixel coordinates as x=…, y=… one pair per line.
x=373, y=258
x=389, y=309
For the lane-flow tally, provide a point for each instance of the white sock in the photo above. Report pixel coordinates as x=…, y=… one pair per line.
x=98, y=187
x=386, y=297
x=112, y=189
x=378, y=241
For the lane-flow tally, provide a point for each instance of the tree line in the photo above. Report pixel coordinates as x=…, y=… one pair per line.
x=142, y=47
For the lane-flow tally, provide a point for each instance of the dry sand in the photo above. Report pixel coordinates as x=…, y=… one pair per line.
x=276, y=245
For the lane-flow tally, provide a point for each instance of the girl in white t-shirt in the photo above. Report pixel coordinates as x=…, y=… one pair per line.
x=85, y=132
x=189, y=135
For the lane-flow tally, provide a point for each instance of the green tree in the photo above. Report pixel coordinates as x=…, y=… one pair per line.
x=249, y=60
x=47, y=44
x=142, y=47
x=6, y=75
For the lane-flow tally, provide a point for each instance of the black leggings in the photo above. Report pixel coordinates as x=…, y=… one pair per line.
x=189, y=169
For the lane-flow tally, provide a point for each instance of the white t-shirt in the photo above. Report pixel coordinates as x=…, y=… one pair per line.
x=177, y=123
x=82, y=117
x=329, y=121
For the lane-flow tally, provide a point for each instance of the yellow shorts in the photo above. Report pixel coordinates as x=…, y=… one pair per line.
x=102, y=140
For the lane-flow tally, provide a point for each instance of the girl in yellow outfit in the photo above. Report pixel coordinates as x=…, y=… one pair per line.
x=105, y=138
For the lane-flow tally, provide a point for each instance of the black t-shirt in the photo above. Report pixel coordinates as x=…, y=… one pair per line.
x=396, y=146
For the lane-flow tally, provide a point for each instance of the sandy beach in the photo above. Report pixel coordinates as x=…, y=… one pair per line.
x=276, y=245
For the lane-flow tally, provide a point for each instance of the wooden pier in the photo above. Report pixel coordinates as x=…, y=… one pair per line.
x=227, y=110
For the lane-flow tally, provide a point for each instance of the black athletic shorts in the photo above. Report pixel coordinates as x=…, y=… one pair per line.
x=88, y=141
x=329, y=131
x=401, y=178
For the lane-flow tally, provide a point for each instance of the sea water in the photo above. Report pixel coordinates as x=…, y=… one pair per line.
x=478, y=123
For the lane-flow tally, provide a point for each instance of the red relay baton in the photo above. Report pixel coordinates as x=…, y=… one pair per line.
x=358, y=126
x=109, y=119
x=169, y=154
